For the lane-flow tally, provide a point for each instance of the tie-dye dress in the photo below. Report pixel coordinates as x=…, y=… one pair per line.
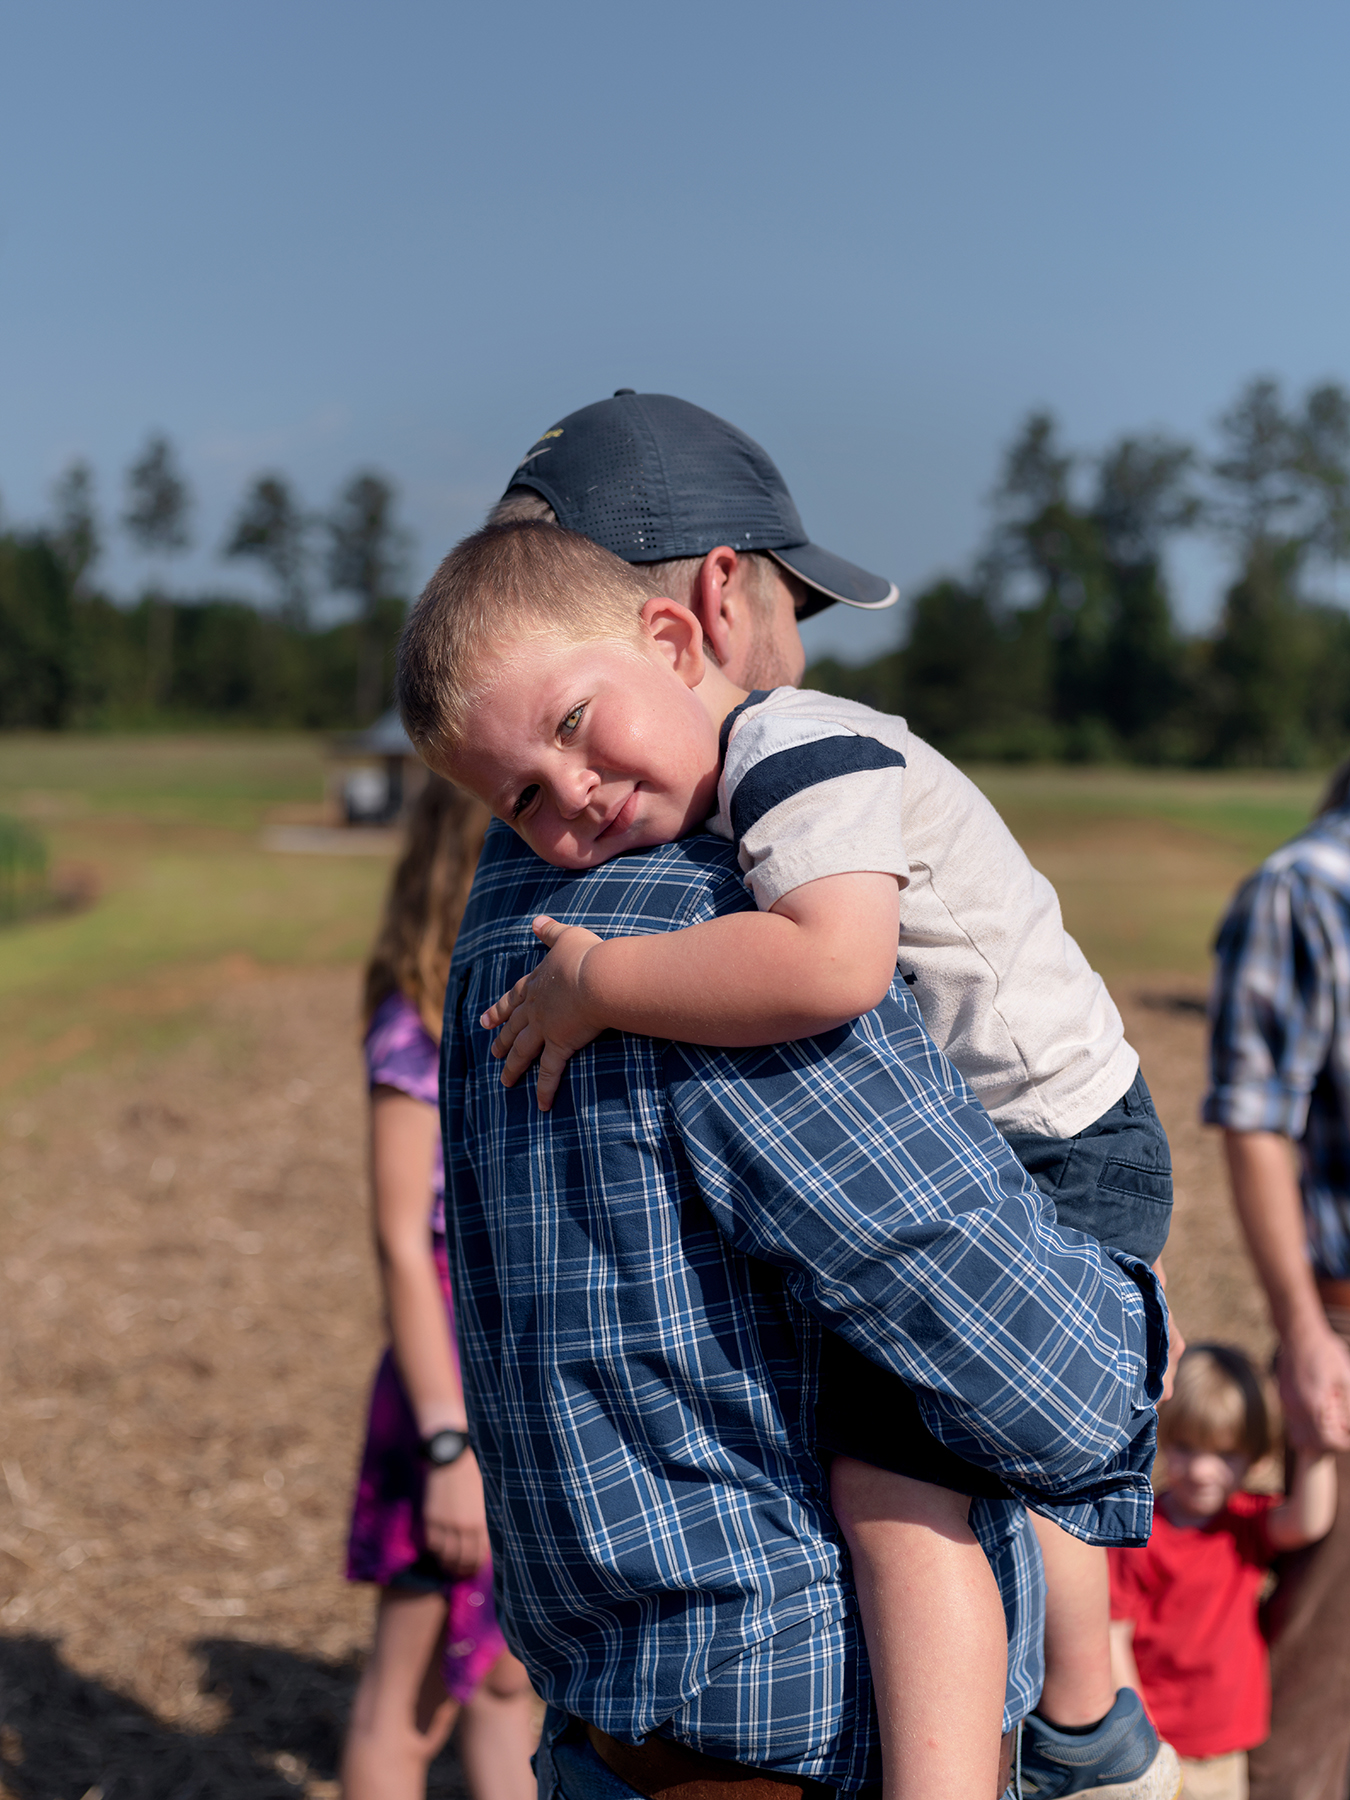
x=387, y=1543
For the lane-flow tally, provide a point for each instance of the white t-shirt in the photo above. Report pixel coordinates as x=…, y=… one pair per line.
x=814, y=786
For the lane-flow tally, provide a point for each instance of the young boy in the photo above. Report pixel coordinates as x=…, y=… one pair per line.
x=1184, y=1628
x=539, y=672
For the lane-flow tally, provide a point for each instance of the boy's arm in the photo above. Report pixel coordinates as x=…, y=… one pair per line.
x=824, y=955
x=1309, y=1510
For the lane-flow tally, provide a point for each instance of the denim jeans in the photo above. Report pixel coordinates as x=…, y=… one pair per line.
x=1113, y=1180
x=566, y=1768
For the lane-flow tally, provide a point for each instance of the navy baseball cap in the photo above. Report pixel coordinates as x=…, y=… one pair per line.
x=652, y=478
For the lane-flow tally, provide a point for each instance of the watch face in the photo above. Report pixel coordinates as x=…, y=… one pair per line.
x=444, y=1447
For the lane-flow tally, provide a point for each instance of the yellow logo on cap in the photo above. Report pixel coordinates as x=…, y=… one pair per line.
x=556, y=432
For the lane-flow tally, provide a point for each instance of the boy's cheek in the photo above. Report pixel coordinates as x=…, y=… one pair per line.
x=559, y=850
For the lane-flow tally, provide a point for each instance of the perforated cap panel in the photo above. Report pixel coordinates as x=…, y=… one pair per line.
x=651, y=478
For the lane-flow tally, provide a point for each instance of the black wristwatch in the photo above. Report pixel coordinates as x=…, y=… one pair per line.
x=444, y=1447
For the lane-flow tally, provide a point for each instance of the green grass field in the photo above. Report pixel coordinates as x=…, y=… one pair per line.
x=169, y=829
x=1145, y=861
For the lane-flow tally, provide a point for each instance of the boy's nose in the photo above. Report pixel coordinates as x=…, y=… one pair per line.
x=574, y=791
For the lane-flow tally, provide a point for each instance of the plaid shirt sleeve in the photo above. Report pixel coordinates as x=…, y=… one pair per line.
x=1281, y=956
x=901, y=1218
x=1280, y=1013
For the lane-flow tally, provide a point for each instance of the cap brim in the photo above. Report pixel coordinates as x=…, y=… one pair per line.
x=831, y=578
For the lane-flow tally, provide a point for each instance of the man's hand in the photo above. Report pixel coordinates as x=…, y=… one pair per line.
x=1314, y=1372
x=453, y=1514
x=1314, y=1365
x=545, y=1015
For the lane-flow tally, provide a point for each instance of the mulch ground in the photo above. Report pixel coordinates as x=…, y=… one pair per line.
x=188, y=1324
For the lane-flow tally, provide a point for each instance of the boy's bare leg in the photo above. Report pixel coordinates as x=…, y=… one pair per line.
x=1078, y=1687
x=936, y=1632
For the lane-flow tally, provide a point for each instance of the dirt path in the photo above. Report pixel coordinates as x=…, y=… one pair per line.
x=188, y=1327
x=1210, y=1280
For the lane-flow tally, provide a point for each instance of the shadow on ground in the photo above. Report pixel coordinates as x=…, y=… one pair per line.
x=66, y=1737
x=1185, y=1005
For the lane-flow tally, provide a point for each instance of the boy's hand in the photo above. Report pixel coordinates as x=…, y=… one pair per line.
x=545, y=1013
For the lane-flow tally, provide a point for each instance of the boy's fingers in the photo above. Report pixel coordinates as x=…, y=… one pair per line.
x=547, y=930
x=522, y=1053
x=551, y=1066
x=509, y=1032
x=500, y=1010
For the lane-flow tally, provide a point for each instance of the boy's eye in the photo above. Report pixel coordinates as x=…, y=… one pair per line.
x=572, y=720
x=525, y=801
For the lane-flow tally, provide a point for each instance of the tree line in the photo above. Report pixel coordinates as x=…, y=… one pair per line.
x=72, y=655
x=1062, y=641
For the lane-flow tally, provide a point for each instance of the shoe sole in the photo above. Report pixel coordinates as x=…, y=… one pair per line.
x=1160, y=1781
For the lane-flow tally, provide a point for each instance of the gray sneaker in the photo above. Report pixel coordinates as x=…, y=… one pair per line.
x=1123, y=1759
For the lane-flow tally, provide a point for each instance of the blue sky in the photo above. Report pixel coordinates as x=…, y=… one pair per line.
x=319, y=237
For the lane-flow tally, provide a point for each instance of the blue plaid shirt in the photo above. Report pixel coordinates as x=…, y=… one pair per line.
x=640, y=1279
x=1280, y=1014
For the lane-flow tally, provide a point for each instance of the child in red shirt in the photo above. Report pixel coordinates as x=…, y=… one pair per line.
x=1183, y=1609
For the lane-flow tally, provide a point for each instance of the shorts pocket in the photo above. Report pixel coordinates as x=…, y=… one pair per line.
x=1133, y=1209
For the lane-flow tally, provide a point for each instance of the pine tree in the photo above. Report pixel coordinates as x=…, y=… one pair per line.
x=367, y=556
x=158, y=506
x=271, y=528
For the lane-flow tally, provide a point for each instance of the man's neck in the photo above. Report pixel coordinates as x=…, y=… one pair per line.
x=719, y=696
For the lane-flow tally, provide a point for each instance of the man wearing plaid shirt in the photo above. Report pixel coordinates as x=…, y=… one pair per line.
x=641, y=1279
x=1280, y=1074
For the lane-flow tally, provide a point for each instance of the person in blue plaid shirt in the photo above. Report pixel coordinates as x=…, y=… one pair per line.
x=642, y=1276
x=1280, y=1076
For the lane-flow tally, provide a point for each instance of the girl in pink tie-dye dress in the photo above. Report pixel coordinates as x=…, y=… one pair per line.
x=418, y=1528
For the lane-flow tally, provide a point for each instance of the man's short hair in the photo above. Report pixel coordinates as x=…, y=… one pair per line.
x=1217, y=1404
x=676, y=578
x=506, y=584
x=521, y=503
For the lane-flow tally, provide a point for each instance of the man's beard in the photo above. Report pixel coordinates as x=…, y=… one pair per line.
x=766, y=666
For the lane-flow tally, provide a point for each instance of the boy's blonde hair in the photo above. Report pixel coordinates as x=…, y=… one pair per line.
x=1217, y=1404
x=504, y=585
x=677, y=577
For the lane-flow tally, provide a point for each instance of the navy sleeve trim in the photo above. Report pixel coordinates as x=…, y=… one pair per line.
x=724, y=736
x=787, y=772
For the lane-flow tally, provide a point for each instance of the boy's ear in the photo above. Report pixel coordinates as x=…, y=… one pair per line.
x=678, y=637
